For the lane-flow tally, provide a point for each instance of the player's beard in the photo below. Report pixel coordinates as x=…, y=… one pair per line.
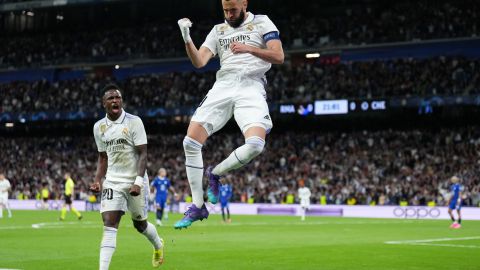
x=237, y=22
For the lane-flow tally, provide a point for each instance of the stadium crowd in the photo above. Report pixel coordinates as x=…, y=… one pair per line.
x=363, y=24
x=302, y=83
x=387, y=167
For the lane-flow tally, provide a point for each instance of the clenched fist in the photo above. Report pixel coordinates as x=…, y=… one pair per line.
x=185, y=25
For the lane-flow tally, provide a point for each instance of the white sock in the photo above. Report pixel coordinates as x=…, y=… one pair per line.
x=303, y=213
x=241, y=156
x=152, y=236
x=194, y=167
x=1, y=211
x=107, y=248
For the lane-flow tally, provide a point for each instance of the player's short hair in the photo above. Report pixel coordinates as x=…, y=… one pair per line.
x=109, y=87
x=455, y=179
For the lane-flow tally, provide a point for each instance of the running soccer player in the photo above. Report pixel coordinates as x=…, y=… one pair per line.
x=455, y=202
x=162, y=185
x=247, y=46
x=4, y=188
x=122, y=159
x=304, y=195
x=68, y=195
x=225, y=196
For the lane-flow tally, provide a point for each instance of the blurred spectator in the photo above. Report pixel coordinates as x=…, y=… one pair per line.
x=287, y=83
x=345, y=24
x=388, y=167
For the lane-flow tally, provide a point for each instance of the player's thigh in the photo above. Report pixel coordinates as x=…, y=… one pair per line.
x=160, y=203
x=68, y=199
x=138, y=205
x=216, y=109
x=251, y=108
x=163, y=202
x=113, y=200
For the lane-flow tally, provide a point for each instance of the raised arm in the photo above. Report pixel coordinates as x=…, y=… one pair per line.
x=199, y=57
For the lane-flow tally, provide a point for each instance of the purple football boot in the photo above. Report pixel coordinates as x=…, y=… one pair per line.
x=193, y=214
x=213, y=189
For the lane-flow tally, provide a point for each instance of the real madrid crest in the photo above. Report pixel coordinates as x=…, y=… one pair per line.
x=125, y=131
x=103, y=128
x=249, y=27
x=222, y=29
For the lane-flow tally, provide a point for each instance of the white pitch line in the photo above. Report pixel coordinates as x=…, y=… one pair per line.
x=57, y=224
x=442, y=245
x=432, y=240
x=428, y=242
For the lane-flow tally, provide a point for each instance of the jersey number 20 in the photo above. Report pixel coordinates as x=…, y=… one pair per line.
x=107, y=194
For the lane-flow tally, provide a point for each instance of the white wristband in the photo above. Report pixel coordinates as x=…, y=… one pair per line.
x=139, y=181
x=185, y=25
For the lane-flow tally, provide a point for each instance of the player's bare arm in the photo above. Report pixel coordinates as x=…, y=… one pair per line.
x=102, y=164
x=272, y=54
x=141, y=166
x=199, y=57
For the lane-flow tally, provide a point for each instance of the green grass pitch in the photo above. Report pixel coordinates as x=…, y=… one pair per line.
x=249, y=242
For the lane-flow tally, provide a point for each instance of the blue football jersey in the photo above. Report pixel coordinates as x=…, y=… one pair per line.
x=225, y=192
x=161, y=186
x=455, y=189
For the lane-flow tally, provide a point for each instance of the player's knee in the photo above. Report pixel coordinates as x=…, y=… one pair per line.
x=255, y=145
x=140, y=226
x=191, y=146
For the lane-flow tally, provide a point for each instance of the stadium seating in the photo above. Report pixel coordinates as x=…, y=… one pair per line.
x=374, y=167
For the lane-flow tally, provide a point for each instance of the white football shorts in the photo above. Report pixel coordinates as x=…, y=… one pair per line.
x=305, y=204
x=116, y=197
x=4, y=199
x=243, y=98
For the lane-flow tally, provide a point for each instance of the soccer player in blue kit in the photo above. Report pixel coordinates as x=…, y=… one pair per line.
x=225, y=196
x=162, y=185
x=455, y=202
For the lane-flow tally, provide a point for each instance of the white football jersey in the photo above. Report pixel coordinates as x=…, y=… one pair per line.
x=4, y=186
x=255, y=31
x=304, y=194
x=118, y=138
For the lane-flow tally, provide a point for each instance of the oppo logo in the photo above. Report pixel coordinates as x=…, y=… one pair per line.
x=416, y=212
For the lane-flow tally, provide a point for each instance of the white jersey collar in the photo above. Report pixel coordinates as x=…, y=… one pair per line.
x=119, y=119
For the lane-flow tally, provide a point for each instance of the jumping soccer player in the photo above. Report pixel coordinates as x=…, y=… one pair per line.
x=247, y=46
